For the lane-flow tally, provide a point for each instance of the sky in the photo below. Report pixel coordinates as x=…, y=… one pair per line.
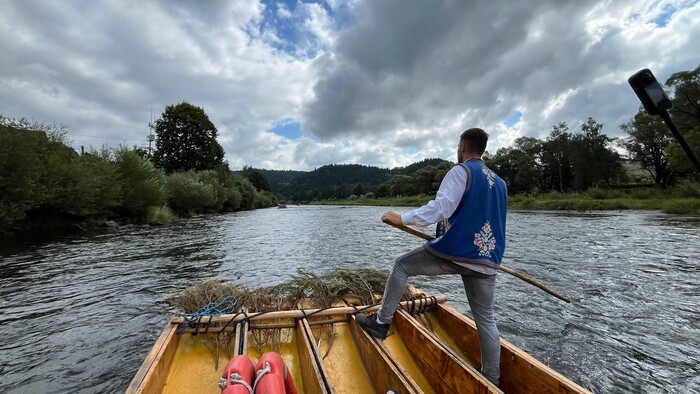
x=299, y=84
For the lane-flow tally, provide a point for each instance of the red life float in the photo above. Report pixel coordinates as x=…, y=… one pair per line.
x=238, y=376
x=273, y=377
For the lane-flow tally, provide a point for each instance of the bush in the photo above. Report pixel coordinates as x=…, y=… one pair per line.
x=187, y=194
x=247, y=191
x=160, y=215
x=210, y=178
x=142, y=185
x=21, y=171
x=265, y=199
x=685, y=206
x=687, y=189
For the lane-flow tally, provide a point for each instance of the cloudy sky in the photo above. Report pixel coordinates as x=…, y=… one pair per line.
x=296, y=84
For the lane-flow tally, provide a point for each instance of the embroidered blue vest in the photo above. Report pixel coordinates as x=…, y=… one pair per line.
x=476, y=231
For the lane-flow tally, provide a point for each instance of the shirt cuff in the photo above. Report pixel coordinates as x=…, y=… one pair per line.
x=407, y=218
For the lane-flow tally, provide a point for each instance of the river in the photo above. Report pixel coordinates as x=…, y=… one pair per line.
x=79, y=313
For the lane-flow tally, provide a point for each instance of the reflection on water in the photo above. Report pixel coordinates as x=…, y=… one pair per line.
x=80, y=313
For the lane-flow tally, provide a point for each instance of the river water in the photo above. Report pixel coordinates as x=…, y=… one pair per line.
x=80, y=313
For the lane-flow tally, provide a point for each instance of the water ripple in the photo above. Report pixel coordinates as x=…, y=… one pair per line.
x=80, y=313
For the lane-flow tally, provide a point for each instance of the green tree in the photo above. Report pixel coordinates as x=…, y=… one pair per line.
x=257, y=178
x=678, y=160
x=647, y=141
x=686, y=99
x=142, y=185
x=382, y=190
x=556, y=156
x=594, y=162
x=186, y=140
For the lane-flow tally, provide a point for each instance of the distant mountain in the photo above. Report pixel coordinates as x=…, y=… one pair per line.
x=342, y=180
x=339, y=174
x=281, y=176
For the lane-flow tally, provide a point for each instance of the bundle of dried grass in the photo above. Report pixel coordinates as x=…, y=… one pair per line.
x=306, y=289
x=204, y=293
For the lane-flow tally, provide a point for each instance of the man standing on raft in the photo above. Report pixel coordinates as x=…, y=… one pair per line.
x=473, y=199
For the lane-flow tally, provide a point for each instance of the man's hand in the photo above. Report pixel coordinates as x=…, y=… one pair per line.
x=392, y=217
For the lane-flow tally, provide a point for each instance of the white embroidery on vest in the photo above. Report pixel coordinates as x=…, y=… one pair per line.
x=485, y=241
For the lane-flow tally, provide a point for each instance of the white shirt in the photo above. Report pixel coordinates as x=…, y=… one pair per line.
x=443, y=206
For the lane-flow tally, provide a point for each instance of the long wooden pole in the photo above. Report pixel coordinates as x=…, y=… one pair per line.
x=500, y=268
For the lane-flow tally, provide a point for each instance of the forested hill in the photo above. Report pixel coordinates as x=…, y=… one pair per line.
x=413, y=168
x=281, y=176
x=339, y=180
x=338, y=174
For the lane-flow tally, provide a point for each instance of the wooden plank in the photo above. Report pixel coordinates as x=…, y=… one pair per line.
x=298, y=313
x=150, y=378
x=384, y=373
x=447, y=373
x=240, y=344
x=520, y=372
x=313, y=371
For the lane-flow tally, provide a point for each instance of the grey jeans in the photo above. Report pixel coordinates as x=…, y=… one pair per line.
x=480, y=293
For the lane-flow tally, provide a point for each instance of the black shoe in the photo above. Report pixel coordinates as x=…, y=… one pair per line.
x=370, y=325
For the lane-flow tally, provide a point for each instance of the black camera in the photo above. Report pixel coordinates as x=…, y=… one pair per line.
x=650, y=92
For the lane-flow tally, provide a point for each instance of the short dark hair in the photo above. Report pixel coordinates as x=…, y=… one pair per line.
x=475, y=139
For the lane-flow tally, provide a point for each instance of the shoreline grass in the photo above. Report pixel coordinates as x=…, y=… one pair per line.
x=671, y=201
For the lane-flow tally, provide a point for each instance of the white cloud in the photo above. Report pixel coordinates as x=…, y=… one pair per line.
x=379, y=83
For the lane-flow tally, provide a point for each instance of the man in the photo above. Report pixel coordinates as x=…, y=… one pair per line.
x=473, y=199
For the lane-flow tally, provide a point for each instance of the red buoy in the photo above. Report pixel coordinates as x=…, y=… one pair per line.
x=273, y=376
x=238, y=376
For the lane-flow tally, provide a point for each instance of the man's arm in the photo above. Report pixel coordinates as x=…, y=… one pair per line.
x=443, y=206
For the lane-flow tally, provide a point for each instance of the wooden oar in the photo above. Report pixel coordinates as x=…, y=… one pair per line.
x=500, y=267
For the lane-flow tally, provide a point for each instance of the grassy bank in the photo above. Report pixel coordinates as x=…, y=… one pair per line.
x=682, y=199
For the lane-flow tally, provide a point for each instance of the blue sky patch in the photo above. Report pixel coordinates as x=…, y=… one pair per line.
x=513, y=118
x=288, y=129
x=665, y=16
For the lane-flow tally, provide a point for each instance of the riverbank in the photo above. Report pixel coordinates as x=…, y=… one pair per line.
x=683, y=199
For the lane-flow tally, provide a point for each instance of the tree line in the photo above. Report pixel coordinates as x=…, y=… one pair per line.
x=46, y=184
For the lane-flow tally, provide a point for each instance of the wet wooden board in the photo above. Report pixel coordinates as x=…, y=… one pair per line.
x=384, y=373
x=447, y=373
x=520, y=372
x=312, y=372
x=150, y=378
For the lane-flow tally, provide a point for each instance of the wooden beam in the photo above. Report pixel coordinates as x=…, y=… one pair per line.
x=157, y=363
x=520, y=372
x=313, y=371
x=382, y=371
x=446, y=372
x=298, y=313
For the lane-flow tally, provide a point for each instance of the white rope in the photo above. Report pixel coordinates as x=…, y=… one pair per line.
x=260, y=374
x=236, y=379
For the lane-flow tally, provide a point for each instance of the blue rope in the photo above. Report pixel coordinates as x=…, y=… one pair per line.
x=226, y=306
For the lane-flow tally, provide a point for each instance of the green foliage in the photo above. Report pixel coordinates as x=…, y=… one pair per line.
x=687, y=189
x=686, y=99
x=415, y=167
x=160, y=215
x=186, y=140
x=647, y=141
x=682, y=206
x=382, y=190
x=678, y=160
x=142, y=185
x=257, y=178
x=187, y=194
x=247, y=191
x=21, y=169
